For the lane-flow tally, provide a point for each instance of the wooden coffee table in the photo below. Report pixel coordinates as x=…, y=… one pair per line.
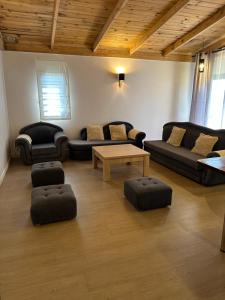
x=216, y=164
x=119, y=154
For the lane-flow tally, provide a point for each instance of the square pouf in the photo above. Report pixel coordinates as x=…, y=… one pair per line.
x=147, y=193
x=47, y=173
x=53, y=203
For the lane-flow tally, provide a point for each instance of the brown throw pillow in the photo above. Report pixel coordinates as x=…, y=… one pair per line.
x=95, y=133
x=176, y=136
x=132, y=133
x=118, y=132
x=204, y=144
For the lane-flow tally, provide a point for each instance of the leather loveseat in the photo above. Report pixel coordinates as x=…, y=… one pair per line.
x=81, y=149
x=181, y=159
x=41, y=142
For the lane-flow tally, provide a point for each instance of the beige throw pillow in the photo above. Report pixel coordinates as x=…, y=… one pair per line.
x=220, y=152
x=95, y=133
x=176, y=136
x=118, y=132
x=204, y=144
x=132, y=133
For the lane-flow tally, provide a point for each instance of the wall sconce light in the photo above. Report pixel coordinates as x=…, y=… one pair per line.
x=121, y=75
x=201, y=65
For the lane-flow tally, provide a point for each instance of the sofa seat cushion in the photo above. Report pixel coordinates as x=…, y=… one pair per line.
x=77, y=145
x=43, y=149
x=180, y=154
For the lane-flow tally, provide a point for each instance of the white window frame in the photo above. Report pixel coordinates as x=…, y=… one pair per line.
x=53, y=67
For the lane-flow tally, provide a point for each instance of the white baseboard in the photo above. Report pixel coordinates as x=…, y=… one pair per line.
x=4, y=172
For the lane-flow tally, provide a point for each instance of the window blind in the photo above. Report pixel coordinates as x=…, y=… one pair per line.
x=53, y=90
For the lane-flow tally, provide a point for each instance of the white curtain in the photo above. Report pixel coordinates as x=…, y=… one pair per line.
x=215, y=115
x=201, y=90
x=208, y=100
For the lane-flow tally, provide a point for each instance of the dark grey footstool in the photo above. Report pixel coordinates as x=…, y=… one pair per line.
x=147, y=193
x=47, y=173
x=52, y=203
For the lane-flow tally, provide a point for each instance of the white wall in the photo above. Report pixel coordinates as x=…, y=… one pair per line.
x=155, y=92
x=4, y=126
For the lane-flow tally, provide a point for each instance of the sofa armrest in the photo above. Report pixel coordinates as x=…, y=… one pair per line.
x=24, y=140
x=137, y=136
x=24, y=144
x=60, y=138
x=218, y=153
x=61, y=142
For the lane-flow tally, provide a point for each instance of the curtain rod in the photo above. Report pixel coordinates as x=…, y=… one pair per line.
x=218, y=50
x=214, y=51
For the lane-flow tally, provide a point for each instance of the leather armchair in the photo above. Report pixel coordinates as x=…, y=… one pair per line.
x=41, y=142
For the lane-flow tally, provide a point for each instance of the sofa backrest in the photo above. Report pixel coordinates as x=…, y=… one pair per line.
x=192, y=133
x=83, y=132
x=41, y=132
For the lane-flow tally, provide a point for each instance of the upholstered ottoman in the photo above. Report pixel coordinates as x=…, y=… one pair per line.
x=147, y=193
x=52, y=203
x=47, y=173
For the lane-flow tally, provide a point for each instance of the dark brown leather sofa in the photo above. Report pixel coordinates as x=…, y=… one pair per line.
x=81, y=149
x=181, y=159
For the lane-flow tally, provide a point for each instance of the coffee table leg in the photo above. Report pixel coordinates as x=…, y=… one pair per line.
x=94, y=160
x=146, y=166
x=223, y=238
x=106, y=170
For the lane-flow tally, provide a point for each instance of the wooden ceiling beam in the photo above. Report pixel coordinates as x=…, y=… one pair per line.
x=216, y=44
x=122, y=53
x=54, y=22
x=158, y=24
x=115, y=13
x=2, y=47
x=206, y=24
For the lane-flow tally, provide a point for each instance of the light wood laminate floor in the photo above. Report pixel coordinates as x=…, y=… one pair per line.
x=111, y=251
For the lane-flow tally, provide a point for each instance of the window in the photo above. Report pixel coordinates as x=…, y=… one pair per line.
x=53, y=90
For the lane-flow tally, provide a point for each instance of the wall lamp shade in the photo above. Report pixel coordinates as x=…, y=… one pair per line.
x=201, y=65
x=121, y=77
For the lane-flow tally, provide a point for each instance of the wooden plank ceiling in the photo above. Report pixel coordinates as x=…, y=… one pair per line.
x=149, y=29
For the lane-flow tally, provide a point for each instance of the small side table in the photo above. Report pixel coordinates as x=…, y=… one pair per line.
x=217, y=164
x=222, y=248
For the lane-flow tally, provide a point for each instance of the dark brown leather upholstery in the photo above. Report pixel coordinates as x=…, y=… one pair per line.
x=82, y=149
x=146, y=193
x=47, y=173
x=48, y=143
x=181, y=159
x=53, y=203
